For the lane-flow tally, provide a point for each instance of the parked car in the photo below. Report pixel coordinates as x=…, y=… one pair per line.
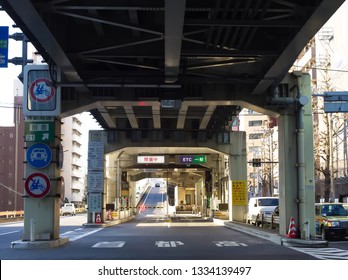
x=261, y=206
x=273, y=219
x=275, y=216
x=331, y=220
x=68, y=209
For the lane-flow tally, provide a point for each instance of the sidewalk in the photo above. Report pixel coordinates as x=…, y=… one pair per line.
x=273, y=235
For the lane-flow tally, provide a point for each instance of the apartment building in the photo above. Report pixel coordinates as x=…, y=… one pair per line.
x=12, y=157
x=73, y=170
x=262, y=144
x=11, y=161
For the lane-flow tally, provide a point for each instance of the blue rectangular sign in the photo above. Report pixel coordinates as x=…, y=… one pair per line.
x=3, y=46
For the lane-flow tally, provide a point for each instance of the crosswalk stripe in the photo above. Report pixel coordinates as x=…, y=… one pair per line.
x=324, y=253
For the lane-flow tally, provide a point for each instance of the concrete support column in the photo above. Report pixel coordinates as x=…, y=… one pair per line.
x=296, y=163
x=42, y=214
x=287, y=171
x=238, y=172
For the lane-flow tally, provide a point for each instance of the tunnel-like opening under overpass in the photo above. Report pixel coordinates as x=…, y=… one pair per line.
x=196, y=174
x=226, y=161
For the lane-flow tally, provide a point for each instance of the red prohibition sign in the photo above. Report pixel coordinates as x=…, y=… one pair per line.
x=37, y=185
x=41, y=91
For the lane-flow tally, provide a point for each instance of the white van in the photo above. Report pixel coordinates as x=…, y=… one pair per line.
x=261, y=205
x=68, y=209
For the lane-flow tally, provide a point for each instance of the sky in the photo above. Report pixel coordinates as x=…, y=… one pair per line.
x=9, y=76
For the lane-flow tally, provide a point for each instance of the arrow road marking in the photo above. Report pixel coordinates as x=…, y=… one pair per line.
x=168, y=243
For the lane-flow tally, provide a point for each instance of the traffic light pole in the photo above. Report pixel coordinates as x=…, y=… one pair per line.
x=167, y=196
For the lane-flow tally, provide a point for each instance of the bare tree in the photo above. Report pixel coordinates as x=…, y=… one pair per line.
x=268, y=169
x=327, y=126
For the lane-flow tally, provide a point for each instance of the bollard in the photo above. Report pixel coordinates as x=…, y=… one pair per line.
x=32, y=230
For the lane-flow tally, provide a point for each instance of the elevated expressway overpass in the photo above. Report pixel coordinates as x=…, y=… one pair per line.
x=168, y=77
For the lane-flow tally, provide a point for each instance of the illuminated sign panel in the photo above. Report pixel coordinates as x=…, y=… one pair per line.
x=150, y=159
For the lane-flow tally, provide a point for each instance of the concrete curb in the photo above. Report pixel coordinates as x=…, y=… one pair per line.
x=273, y=237
x=294, y=242
x=277, y=238
x=42, y=244
x=109, y=223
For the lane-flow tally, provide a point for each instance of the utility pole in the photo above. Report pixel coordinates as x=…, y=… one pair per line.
x=18, y=61
x=24, y=59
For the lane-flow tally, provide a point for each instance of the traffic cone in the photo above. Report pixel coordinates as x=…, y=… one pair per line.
x=98, y=219
x=292, y=229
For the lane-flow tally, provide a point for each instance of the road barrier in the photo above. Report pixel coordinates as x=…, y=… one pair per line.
x=11, y=214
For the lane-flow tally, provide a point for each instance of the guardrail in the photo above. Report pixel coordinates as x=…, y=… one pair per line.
x=268, y=221
x=11, y=214
x=20, y=214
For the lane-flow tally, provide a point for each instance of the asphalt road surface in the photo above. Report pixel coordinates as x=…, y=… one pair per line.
x=152, y=236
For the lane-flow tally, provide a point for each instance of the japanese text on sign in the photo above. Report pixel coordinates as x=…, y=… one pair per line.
x=150, y=159
x=239, y=193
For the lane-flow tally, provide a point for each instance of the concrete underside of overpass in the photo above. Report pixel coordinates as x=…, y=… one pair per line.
x=168, y=78
x=226, y=161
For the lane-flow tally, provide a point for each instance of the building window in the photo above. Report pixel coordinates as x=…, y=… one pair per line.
x=255, y=135
x=11, y=135
x=255, y=123
x=10, y=148
x=255, y=149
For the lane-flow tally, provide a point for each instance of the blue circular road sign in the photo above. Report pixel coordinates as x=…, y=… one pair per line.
x=39, y=155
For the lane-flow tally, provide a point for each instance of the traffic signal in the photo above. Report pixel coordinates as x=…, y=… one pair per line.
x=256, y=162
x=124, y=176
x=208, y=181
x=171, y=195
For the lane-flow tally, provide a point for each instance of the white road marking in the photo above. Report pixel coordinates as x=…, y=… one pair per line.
x=324, y=253
x=229, y=243
x=9, y=232
x=168, y=243
x=112, y=244
x=77, y=234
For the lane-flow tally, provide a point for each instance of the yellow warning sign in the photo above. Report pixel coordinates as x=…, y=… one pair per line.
x=239, y=193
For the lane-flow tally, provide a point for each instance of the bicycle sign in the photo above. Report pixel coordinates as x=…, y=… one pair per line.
x=41, y=90
x=37, y=185
x=41, y=96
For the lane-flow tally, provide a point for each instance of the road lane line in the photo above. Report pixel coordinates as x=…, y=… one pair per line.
x=10, y=232
x=76, y=237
